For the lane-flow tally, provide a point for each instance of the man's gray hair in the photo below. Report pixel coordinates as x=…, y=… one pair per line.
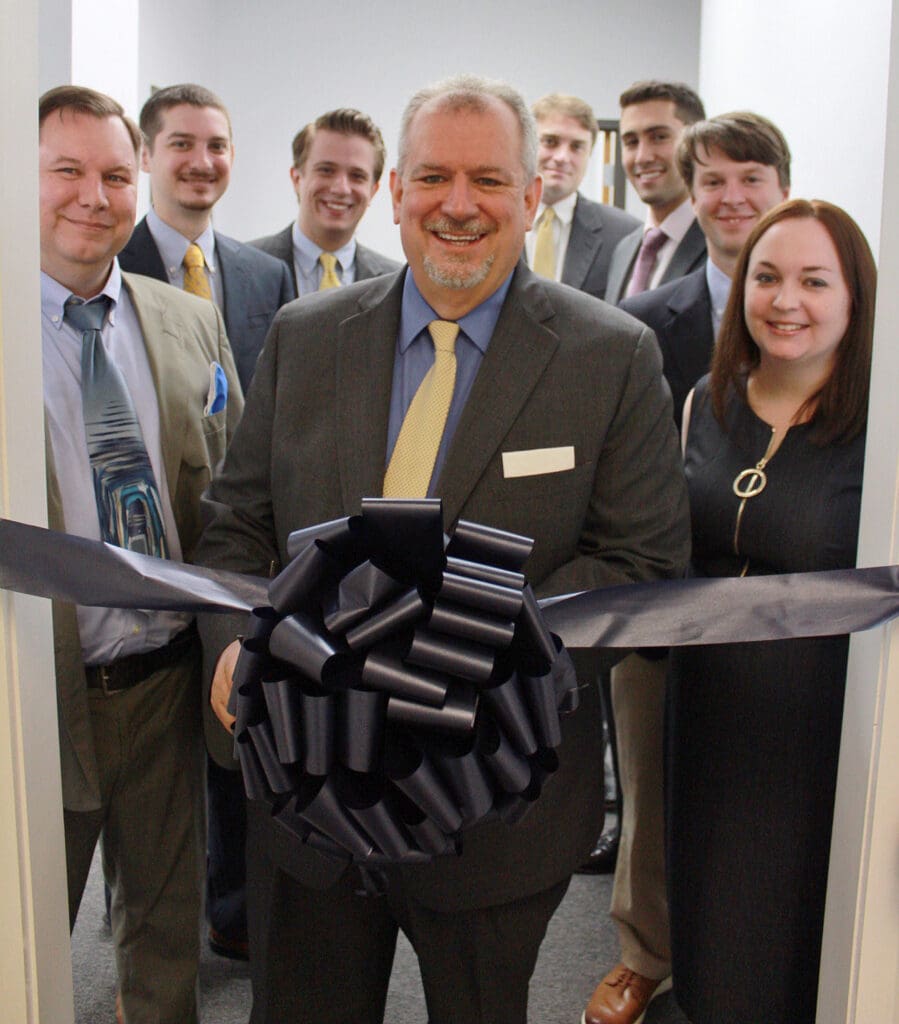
x=471, y=92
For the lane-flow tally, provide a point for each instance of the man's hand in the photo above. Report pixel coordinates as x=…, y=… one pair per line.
x=222, y=682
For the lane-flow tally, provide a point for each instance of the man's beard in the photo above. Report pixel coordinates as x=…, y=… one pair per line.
x=464, y=276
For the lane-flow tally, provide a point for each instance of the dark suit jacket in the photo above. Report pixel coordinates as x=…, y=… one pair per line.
x=254, y=286
x=595, y=231
x=688, y=256
x=561, y=369
x=368, y=262
x=182, y=335
x=680, y=313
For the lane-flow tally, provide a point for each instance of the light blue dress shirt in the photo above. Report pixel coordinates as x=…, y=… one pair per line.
x=106, y=633
x=415, y=356
x=309, y=271
x=172, y=246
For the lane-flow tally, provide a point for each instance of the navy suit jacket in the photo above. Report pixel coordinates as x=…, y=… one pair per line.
x=254, y=285
x=596, y=229
x=680, y=314
x=688, y=256
x=368, y=262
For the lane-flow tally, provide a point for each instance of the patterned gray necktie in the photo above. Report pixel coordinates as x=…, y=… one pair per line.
x=128, y=503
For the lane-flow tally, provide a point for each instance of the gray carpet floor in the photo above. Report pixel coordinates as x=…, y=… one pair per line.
x=579, y=948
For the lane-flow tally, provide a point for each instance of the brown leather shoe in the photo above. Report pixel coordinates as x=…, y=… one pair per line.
x=622, y=997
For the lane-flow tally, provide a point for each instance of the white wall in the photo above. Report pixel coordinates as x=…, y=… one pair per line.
x=818, y=69
x=277, y=70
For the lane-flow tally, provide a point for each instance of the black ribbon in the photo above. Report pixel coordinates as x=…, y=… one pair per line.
x=396, y=686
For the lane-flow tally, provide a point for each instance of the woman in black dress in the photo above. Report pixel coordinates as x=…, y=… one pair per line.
x=773, y=456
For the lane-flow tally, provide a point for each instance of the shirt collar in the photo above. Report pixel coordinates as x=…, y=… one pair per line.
x=173, y=245
x=307, y=252
x=677, y=223
x=478, y=325
x=563, y=209
x=719, y=286
x=54, y=295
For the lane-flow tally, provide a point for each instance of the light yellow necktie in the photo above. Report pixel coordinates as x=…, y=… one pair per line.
x=412, y=463
x=545, y=247
x=195, y=280
x=329, y=278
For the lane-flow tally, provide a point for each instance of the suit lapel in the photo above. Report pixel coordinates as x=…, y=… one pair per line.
x=366, y=343
x=164, y=347
x=236, y=283
x=691, y=328
x=583, y=243
x=622, y=260
x=141, y=255
x=497, y=397
x=687, y=255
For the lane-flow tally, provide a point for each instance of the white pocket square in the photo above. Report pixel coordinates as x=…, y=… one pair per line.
x=536, y=461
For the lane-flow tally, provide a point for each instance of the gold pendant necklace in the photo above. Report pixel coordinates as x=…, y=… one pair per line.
x=749, y=483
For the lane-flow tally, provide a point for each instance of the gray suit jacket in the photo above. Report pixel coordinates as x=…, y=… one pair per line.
x=561, y=369
x=595, y=231
x=182, y=335
x=254, y=286
x=688, y=256
x=368, y=262
x=680, y=314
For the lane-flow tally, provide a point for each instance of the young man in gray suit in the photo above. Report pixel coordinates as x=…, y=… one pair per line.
x=581, y=235
x=542, y=371
x=653, y=117
x=141, y=396
x=338, y=160
x=188, y=153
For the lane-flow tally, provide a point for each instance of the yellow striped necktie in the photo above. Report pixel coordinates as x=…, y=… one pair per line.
x=415, y=452
x=195, y=280
x=329, y=267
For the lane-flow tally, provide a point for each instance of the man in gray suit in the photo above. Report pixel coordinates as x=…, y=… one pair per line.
x=571, y=388
x=188, y=154
x=338, y=160
x=127, y=681
x=653, y=117
x=582, y=234
x=736, y=166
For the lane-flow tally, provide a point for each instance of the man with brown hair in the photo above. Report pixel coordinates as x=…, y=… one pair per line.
x=141, y=396
x=338, y=160
x=573, y=238
x=188, y=153
x=670, y=243
x=737, y=167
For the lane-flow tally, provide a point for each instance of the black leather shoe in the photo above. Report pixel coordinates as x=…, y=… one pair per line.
x=231, y=948
x=605, y=854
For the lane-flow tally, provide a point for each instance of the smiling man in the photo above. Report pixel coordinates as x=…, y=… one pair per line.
x=134, y=429
x=337, y=165
x=533, y=365
x=188, y=153
x=574, y=238
x=670, y=243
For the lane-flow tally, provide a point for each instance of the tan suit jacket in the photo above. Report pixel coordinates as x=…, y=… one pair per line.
x=182, y=335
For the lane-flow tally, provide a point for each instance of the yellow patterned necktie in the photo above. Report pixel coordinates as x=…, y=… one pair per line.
x=195, y=280
x=329, y=276
x=415, y=452
x=545, y=247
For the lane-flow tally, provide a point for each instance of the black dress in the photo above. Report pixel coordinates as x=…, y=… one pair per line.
x=754, y=732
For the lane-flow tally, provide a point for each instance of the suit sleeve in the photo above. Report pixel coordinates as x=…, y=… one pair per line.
x=637, y=524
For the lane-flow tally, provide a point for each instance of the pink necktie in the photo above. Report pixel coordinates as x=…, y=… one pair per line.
x=653, y=240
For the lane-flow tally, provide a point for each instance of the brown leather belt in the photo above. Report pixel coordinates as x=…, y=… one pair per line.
x=123, y=673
